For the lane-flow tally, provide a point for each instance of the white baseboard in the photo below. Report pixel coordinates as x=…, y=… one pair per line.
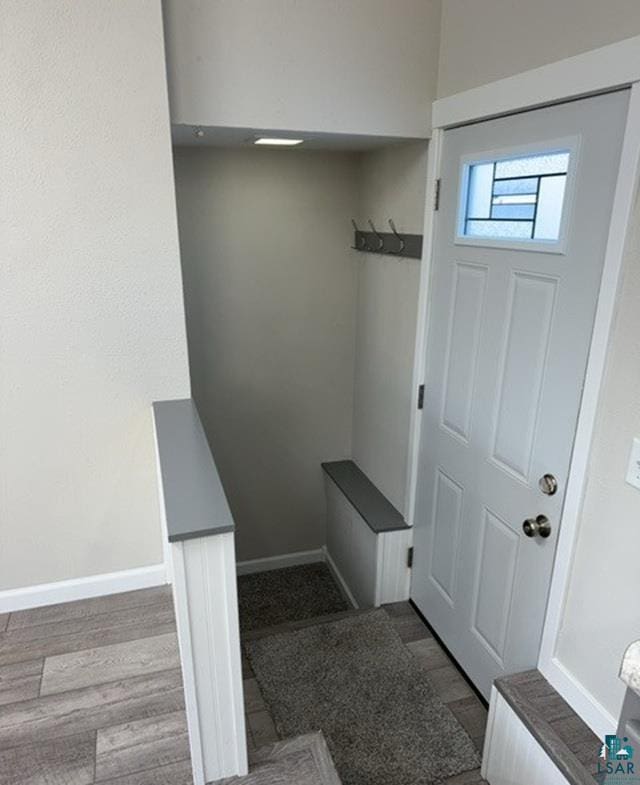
x=340, y=580
x=586, y=706
x=82, y=588
x=277, y=562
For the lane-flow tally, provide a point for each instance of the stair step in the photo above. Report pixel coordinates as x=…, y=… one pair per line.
x=289, y=626
x=303, y=760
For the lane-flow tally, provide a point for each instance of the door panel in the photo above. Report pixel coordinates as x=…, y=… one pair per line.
x=446, y=533
x=494, y=583
x=462, y=347
x=530, y=311
x=508, y=339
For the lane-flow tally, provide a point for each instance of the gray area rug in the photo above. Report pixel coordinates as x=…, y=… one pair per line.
x=290, y=594
x=356, y=681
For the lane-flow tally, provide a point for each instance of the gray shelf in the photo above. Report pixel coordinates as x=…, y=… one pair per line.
x=374, y=507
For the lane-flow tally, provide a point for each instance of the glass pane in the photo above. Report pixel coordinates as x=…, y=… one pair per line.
x=550, y=207
x=512, y=230
x=533, y=165
x=526, y=185
x=479, y=196
x=526, y=204
x=513, y=211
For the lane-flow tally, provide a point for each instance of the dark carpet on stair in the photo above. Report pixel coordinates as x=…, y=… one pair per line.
x=354, y=680
x=291, y=594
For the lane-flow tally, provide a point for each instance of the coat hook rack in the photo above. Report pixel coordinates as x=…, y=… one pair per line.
x=391, y=243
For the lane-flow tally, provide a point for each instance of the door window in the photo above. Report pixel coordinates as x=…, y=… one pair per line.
x=515, y=201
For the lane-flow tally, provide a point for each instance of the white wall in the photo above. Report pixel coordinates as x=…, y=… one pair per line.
x=480, y=43
x=392, y=185
x=601, y=616
x=90, y=296
x=488, y=40
x=342, y=66
x=270, y=288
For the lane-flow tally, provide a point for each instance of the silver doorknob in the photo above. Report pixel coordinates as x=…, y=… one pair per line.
x=537, y=527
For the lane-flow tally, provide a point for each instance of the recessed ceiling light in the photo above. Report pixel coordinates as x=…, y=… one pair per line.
x=278, y=140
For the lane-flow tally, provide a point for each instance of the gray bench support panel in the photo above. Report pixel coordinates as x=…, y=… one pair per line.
x=374, y=507
x=195, y=502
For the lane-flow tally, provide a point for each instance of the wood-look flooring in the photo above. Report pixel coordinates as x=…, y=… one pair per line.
x=91, y=691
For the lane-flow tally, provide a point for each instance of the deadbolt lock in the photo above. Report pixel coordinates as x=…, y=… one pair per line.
x=537, y=527
x=548, y=484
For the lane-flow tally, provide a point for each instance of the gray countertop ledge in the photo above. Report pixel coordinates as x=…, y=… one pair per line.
x=194, y=499
x=372, y=505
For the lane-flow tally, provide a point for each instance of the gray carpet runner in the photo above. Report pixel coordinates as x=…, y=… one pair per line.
x=354, y=680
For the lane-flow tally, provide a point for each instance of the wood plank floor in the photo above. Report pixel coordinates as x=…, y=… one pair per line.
x=91, y=691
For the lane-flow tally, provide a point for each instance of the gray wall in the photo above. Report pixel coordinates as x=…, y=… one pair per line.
x=91, y=294
x=479, y=43
x=392, y=185
x=270, y=289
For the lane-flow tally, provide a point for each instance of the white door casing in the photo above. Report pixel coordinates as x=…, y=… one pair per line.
x=509, y=335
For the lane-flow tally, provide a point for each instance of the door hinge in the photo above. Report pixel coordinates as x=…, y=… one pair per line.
x=436, y=195
x=410, y=557
x=421, y=396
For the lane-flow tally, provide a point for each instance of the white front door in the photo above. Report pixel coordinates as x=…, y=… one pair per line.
x=520, y=235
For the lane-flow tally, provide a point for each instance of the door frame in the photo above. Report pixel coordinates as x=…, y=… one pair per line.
x=599, y=70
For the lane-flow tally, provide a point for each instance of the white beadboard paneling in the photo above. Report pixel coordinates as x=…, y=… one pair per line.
x=511, y=754
x=394, y=575
x=208, y=633
x=371, y=568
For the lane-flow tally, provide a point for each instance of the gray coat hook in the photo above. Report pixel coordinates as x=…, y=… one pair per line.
x=362, y=240
x=379, y=237
x=399, y=239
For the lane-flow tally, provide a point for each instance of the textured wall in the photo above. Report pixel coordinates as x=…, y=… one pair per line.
x=270, y=287
x=350, y=66
x=392, y=185
x=90, y=295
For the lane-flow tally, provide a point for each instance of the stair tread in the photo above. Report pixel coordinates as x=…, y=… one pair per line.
x=303, y=760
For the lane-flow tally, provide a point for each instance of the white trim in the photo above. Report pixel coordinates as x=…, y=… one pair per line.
x=596, y=71
x=621, y=215
x=606, y=68
x=277, y=562
x=586, y=705
x=82, y=588
x=338, y=577
x=419, y=361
